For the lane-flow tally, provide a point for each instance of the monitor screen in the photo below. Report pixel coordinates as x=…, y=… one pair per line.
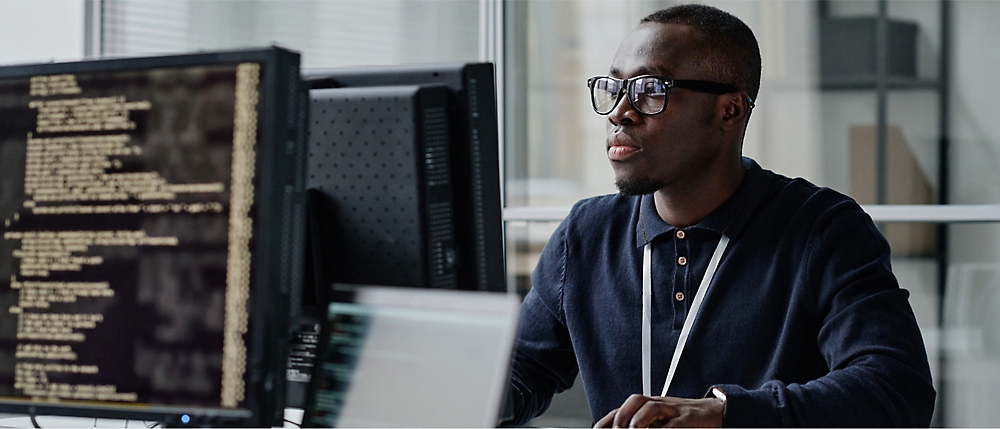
x=440, y=357
x=136, y=198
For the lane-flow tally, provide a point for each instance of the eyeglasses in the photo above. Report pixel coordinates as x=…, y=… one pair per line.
x=647, y=94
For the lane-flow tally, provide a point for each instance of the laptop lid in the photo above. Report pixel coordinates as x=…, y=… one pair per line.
x=407, y=357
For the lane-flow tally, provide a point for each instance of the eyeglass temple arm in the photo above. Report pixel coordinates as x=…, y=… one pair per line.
x=710, y=87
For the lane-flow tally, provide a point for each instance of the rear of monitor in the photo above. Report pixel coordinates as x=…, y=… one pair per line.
x=152, y=226
x=474, y=151
x=379, y=158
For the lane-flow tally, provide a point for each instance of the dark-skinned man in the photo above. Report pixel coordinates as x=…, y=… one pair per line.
x=710, y=291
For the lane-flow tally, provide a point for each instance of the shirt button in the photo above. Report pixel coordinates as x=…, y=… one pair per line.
x=682, y=260
x=680, y=234
x=679, y=296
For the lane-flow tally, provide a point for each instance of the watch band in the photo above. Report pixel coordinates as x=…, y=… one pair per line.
x=718, y=393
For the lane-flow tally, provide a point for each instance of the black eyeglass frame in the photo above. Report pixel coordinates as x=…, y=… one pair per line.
x=692, y=84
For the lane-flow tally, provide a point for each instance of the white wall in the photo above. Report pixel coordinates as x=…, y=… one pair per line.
x=40, y=30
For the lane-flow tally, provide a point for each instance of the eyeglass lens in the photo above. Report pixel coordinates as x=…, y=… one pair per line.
x=605, y=93
x=647, y=94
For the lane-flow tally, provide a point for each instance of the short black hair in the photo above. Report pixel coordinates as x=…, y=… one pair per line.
x=735, y=53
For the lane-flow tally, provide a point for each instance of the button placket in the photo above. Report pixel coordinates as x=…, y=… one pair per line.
x=681, y=278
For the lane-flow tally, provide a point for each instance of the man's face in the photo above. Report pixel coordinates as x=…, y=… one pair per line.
x=674, y=147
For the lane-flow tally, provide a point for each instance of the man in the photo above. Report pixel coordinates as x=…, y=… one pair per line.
x=799, y=322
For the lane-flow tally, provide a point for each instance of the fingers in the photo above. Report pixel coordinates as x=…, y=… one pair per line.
x=607, y=420
x=643, y=411
x=655, y=414
x=623, y=419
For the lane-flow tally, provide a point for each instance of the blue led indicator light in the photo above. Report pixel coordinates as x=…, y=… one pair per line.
x=185, y=419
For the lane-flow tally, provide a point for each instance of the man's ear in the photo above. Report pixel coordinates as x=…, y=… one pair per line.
x=735, y=110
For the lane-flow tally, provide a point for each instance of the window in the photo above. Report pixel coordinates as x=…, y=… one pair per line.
x=327, y=33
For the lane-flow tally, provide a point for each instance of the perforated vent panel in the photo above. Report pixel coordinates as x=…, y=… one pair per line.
x=380, y=155
x=478, y=223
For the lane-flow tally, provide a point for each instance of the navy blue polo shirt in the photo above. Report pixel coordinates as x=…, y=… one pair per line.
x=804, y=323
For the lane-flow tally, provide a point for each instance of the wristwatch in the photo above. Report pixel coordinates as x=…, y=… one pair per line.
x=718, y=393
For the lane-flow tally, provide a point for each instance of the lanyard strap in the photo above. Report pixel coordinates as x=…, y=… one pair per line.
x=647, y=300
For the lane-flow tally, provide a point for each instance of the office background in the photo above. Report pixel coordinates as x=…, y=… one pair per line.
x=918, y=132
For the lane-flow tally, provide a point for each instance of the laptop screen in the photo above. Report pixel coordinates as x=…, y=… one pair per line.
x=404, y=357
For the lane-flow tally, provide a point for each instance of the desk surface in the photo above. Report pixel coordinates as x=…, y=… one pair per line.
x=23, y=421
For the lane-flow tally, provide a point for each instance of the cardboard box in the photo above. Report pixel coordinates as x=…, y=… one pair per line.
x=906, y=183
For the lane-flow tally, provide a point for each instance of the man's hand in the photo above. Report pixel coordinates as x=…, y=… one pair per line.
x=663, y=411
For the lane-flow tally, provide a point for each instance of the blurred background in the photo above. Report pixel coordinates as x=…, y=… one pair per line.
x=890, y=102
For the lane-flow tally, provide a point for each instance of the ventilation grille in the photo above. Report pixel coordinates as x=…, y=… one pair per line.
x=386, y=171
x=440, y=225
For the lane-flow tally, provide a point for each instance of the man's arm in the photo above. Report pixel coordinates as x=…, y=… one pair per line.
x=879, y=375
x=543, y=362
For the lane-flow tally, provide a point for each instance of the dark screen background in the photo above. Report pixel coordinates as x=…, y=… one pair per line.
x=162, y=332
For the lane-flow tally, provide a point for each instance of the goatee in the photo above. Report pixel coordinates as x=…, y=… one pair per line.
x=636, y=187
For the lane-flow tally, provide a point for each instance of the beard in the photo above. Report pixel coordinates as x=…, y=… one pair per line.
x=634, y=187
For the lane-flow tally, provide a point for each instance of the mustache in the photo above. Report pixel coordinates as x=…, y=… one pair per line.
x=623, y=136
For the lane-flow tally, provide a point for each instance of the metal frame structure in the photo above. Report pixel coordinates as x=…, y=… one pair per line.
x=921, y=213
x=92, y=28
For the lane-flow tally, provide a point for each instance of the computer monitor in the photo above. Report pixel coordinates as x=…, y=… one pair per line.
x=473, y=152
x=405, y=357
x=380, y=157
x=152, y=223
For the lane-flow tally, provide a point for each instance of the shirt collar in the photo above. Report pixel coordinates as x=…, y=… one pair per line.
x=729, y=219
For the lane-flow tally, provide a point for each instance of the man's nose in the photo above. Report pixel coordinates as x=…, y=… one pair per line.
x=623, y=113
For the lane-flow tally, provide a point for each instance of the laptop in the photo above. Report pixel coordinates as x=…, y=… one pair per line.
x=408, y=357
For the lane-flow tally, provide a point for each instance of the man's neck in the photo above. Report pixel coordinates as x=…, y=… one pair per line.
x=685, y=205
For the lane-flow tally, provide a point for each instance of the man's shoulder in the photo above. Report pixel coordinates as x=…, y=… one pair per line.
x=603, y=209
x=800, y=192
x=601, y=218
x=801, y=200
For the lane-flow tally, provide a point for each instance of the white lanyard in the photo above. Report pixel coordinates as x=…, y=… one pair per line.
x=647, y=300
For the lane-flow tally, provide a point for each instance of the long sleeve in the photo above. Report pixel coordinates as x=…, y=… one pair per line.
x=868, y=337
x=543, y=361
